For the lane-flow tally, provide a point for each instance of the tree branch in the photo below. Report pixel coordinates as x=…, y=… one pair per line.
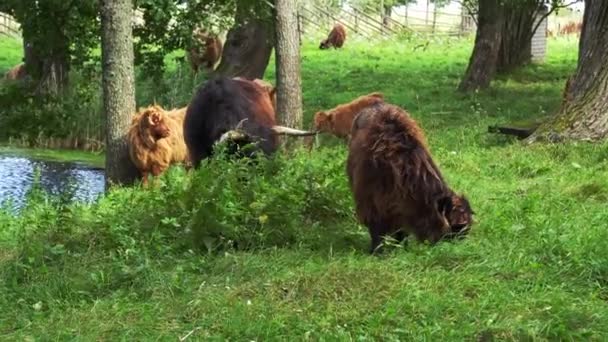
x=553, y=9
x=470, y=10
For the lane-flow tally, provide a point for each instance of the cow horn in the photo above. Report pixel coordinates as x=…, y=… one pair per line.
x=291, y=131
x=234, y=134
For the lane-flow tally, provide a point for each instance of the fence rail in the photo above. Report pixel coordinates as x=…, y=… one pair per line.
x=368, y=21
x=8, y=25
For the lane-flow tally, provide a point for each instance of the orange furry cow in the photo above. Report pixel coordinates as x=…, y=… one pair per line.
x=336, y=37
x=206, y=50
x=156, y=140
x=16, y=73
x=338, y=120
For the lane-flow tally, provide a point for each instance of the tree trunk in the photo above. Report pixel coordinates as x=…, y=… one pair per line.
x=289, y=88
x=247, y=49
x=54, y=72
x=517, y=31
x=584, y=111
x=118, y=87
x=50, y=69
x=482, y=64
x=33, y=65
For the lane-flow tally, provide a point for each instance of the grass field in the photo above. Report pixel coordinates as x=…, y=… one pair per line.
x=534, y=267
x=12, y=52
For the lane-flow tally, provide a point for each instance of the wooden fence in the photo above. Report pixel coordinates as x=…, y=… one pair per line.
x=368, y=21
x=8, y=25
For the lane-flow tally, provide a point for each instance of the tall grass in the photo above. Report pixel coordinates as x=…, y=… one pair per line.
x=270, y=250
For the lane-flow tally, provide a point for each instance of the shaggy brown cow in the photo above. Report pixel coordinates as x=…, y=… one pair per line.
x=338, y=121
x=336, y=37
x=16, y=73
x=156, y=140
x=206, y=50
x=398, y=189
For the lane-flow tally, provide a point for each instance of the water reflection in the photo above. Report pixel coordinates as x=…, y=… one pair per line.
x=17, y=176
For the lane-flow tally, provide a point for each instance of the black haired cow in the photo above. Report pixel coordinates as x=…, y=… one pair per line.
x=235, y=110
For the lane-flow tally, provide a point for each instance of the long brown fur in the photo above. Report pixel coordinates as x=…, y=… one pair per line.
x=16, y=73
x=397, y=187
x=336, y=37
x=156, y=140
x=206, y=50
x=338, y=121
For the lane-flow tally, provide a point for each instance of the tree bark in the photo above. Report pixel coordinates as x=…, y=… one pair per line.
x=118, y=87
x=482, y=64
x=584, y=111
x=47, y=58
x=289, y=83
x=517, y=31
x=247, y=49
x=54, y=72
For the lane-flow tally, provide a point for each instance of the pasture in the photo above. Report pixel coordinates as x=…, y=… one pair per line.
x=159, y=264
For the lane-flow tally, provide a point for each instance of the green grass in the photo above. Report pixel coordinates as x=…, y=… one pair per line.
x=534, y=267
x=12, y=52
x=88, y=158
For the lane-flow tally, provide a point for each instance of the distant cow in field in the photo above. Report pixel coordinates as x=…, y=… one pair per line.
x=156, y=140
x=338, y=121
x=397, y=188
x=336, y=37
x=237, y=111
x=571, y=28
x=16, y=73
x=206, y=50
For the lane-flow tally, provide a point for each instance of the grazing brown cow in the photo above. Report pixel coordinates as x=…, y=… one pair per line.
x=206, y=50
x=156, y=140
x=16, y=73
x=336, y=37
x=338, y=121
x=398, y=189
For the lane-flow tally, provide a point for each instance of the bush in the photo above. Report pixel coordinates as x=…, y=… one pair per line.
x=73, y=120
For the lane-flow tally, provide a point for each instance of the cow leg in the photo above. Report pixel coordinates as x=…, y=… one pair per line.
x=400, y=235
x=144, y=178
x=156, y=171
x=377, y=231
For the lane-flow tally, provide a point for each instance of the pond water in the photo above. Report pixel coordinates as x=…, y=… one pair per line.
x=17, y=174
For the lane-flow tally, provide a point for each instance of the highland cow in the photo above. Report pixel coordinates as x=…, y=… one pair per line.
x=206, y=50
x=267, y=86
x=17, y=72
x=397, y=188
x=338, y=121
x=336, y=37
x=156, y=140
x=238, y=111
